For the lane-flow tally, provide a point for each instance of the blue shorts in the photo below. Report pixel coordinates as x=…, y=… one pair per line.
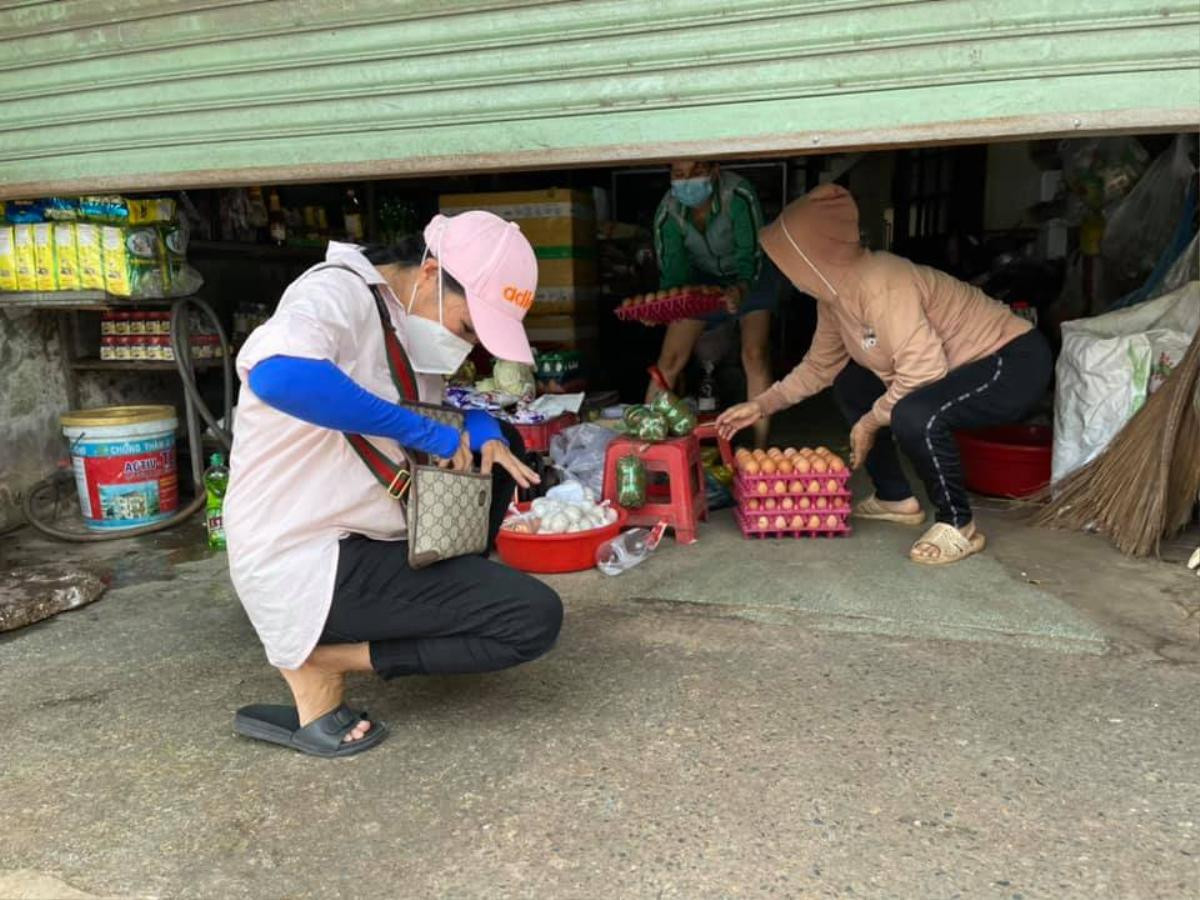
x=764, y=296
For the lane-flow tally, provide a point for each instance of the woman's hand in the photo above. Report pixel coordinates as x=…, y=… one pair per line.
x=862, y=439
x=738, y=417
x=462, y=459
x=498, y=453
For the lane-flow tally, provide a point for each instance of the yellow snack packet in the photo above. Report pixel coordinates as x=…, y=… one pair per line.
x=91, y=264
x=117, y=279
x=66, y=256
x=8, y=259
x=26, y=268
x=45, y=269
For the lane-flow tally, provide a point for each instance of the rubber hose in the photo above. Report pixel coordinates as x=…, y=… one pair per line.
x=195, y=409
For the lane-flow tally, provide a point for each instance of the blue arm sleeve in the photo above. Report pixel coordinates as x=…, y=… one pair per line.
x=482, y=427
x=320, y=393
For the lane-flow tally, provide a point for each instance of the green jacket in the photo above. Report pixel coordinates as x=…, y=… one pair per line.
x=725, y=253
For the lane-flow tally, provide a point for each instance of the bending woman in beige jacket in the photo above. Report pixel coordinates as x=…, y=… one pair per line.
x=913, y=355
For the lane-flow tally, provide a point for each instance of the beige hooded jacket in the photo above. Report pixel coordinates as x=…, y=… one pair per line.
x=908, y=324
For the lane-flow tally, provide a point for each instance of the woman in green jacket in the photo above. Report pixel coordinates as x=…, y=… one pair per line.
x=706, y=233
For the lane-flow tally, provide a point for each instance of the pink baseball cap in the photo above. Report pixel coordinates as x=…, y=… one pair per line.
x=494, y=261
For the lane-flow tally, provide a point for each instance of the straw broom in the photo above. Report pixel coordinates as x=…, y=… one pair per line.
x=1143, y=486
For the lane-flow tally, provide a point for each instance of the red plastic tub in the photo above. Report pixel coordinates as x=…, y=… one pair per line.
x=1008, y=460
x=554, y=553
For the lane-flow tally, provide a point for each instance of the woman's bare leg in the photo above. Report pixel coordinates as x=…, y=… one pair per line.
x=319, y=685
x=676, y=351
x=756, y=360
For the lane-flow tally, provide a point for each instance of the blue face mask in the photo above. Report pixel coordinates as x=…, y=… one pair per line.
x=692, y=191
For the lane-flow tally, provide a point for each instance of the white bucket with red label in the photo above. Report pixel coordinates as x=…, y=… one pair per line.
x=124, y=461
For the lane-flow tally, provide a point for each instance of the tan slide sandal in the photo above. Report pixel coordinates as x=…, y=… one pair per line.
x=952, y=545
x=872, y=509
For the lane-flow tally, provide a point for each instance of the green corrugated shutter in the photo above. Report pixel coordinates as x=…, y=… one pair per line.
x=147, y=93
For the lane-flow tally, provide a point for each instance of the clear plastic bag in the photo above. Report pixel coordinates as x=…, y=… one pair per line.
x=1141, y=225
x=578, y=452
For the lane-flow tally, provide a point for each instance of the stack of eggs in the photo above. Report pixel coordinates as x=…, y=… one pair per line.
x=791, y=493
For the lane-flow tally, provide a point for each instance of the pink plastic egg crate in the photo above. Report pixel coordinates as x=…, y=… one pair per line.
x=669, y=309
x=752, y=526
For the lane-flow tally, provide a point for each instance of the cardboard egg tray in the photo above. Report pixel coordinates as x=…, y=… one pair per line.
x=751, y=529
x=668, y=309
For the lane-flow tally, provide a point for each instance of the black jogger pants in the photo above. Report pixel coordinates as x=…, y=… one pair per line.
x=462, y=615
x=997, y=390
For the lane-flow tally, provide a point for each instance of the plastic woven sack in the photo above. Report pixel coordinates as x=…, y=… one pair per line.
x=1109, y=365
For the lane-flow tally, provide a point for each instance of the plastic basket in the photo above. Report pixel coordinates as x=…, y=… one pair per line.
x=683, y=305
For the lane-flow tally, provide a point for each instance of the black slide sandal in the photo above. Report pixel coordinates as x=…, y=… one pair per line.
x=322, y=737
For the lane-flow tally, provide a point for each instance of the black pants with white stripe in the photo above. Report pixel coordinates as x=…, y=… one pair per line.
x=997, y=390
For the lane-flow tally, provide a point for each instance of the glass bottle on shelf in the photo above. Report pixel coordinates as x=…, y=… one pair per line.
x=278, y=223
x=352, y=214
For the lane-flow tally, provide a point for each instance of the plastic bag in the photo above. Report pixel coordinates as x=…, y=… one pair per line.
x=631, y=482
x=578, y=452
x=1109, y=365
x=1141, y=225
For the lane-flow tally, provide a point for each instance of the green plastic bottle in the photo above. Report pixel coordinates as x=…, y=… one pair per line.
x=216, y=479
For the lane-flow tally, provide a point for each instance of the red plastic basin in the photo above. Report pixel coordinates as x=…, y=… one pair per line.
x=554, y=553
x=1008, y=460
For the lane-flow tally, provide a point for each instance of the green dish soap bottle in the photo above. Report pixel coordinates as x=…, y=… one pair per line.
x=216, y=479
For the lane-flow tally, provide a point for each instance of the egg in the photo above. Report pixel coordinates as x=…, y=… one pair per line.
x=750, y=467
x=832, y=485
x=787, y=504
x=763, y=522
x=781, y=522
x=814, y=521
x=804, y=503
x=742, y=454
x=796, y=487
x=797, y=521
x=801, y=465
x=780, y=487
x=760, y=455
x=831, y=521
x=770, y=504
x=819, y=466
x=836, y=464
x=785, y=466
x=761, y=488
x=822, y=503
x=790, y=452
x=814, y=487
x=822, y=451
x=768, y=467
x=754, y=504
x=775, y=453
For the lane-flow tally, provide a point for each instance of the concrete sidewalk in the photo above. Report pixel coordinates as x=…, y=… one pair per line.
x=731, y=720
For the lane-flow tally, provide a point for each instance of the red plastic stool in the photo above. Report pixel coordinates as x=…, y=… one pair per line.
x=679, y=459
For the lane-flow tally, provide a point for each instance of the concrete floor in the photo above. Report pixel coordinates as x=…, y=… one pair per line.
x=733, y=719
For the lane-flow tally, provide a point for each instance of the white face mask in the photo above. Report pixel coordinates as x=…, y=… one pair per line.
x=433, y=349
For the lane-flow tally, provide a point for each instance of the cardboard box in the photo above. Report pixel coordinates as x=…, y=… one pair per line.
x=556, y=217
